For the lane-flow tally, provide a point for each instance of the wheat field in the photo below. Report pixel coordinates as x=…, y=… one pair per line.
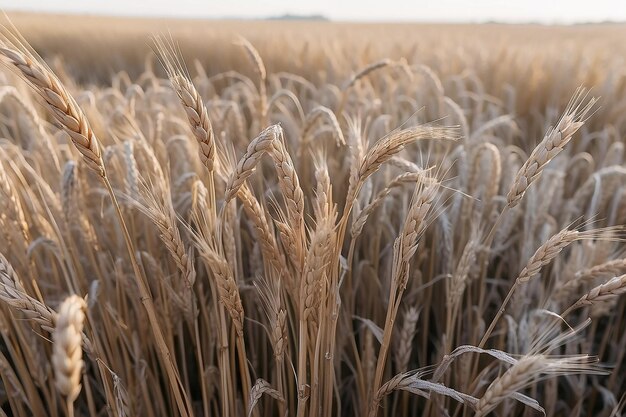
x=221, y=218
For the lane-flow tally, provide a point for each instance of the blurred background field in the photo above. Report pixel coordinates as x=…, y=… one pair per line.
x=542, y=64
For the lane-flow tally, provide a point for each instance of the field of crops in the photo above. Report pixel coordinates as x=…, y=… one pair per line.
x=264, y=218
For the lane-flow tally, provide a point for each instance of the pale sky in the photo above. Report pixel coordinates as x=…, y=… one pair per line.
x=545, y=11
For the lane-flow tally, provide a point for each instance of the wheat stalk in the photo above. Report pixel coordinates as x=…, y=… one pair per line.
x=405, y=247
x=71, y=118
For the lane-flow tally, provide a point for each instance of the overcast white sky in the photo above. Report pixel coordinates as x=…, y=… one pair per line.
x=546, y=11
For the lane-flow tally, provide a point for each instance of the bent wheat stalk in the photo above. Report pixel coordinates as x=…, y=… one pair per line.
x=404, y=249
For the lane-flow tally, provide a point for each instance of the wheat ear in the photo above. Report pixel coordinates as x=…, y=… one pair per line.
x=526, y=371
x=261, y=387
x=248, y=162
x=542, y=257
x=259, y=69
x=67, y=349
x=191, y=100
x=613, y=267
x=604, y=292
x=405, y=343
x=61, y=105
x=552, y=144
x=294, y=198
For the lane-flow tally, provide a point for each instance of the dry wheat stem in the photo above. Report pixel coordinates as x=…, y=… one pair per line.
x=71, y=118
x=404, y=249
x=320, y=327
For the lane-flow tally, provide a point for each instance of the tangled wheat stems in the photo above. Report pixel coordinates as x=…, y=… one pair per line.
x=302, y=262
x=72, y=120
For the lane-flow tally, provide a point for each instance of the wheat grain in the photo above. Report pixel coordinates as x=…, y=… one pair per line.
x=259, y=146
x=551, y=145
x=58, y=101
x=405, y=343
x=67, y=347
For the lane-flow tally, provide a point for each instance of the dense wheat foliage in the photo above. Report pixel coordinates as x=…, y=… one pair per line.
x=350, y=220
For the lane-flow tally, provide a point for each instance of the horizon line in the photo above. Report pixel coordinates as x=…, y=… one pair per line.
x=313, y=17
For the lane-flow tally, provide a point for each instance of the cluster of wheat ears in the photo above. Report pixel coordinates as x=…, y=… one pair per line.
x=259, y=246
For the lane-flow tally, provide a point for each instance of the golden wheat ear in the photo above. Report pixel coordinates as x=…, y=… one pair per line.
x=67, y=351
x=59, y=102
x=552, y=144
x=190, y=99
